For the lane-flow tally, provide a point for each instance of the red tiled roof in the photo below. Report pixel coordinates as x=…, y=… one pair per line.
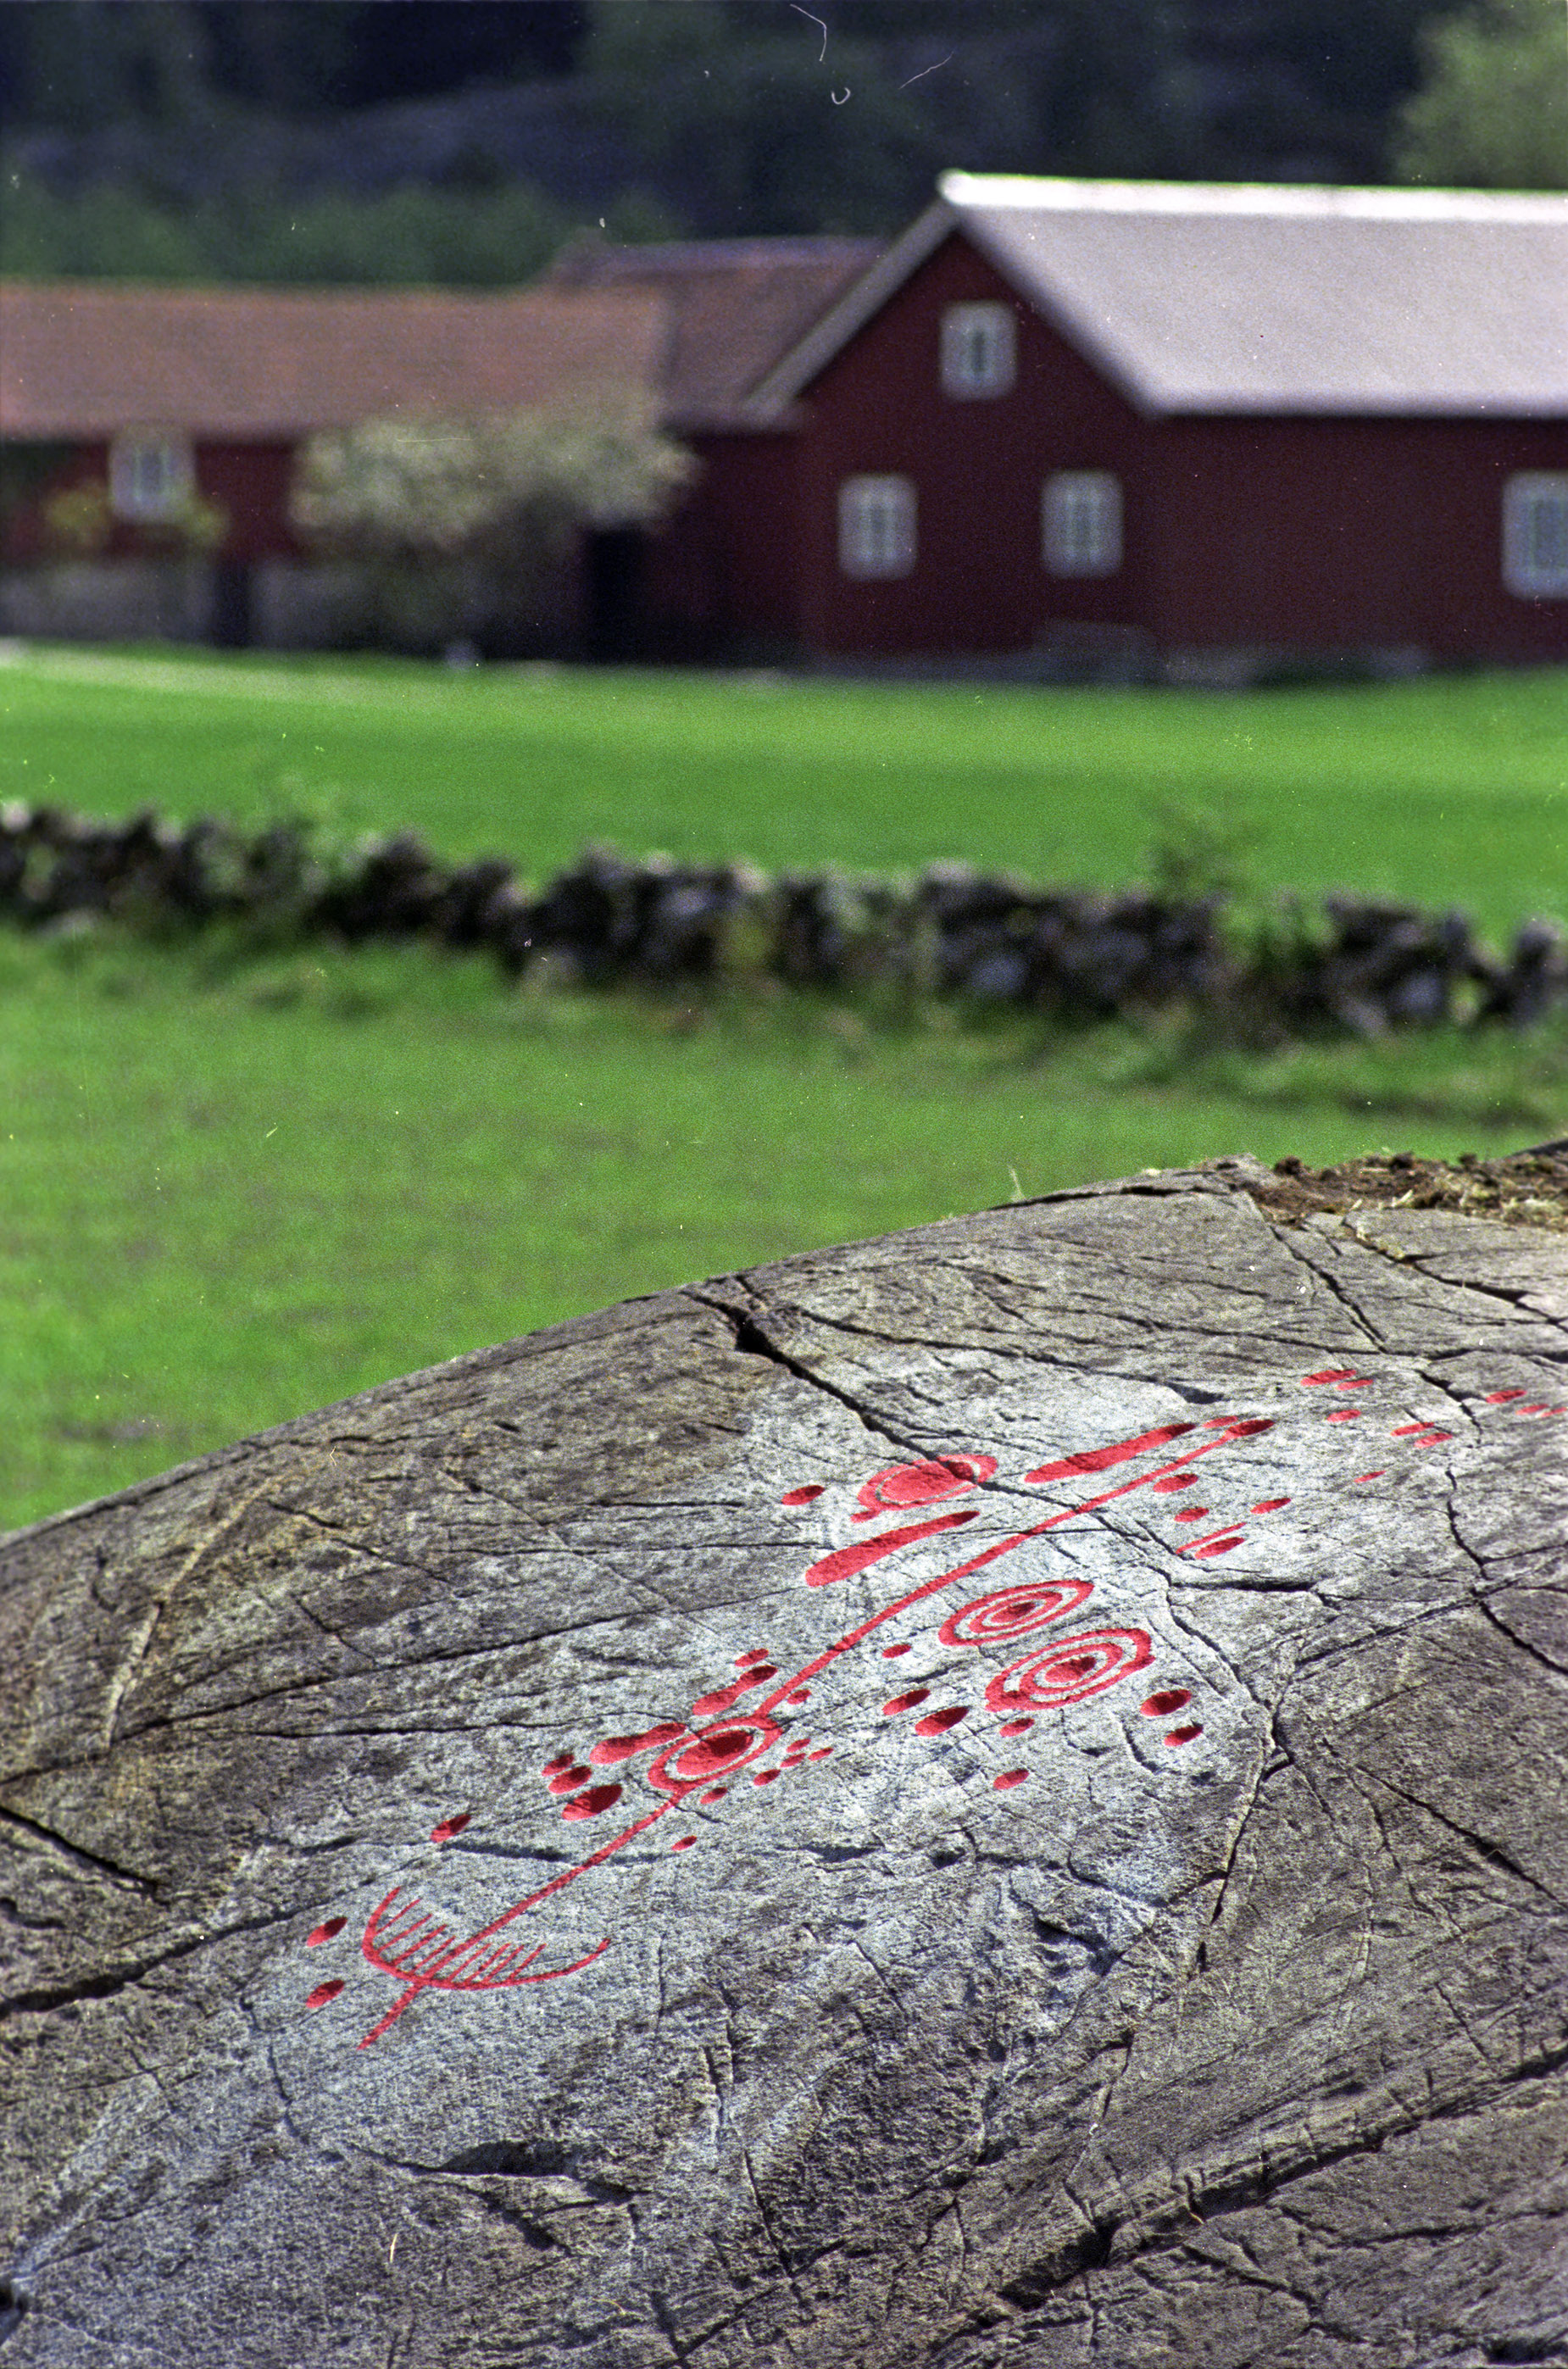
x=735, y=305
x=83, y=359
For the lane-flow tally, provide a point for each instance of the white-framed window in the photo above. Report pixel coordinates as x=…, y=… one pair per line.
x=1535, y=534
x=1081, y=522
x=877, y=526
x=980, y=350
x=150, y=476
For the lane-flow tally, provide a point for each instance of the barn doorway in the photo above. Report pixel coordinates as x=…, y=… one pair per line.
x=232, y=615
x=614, y=567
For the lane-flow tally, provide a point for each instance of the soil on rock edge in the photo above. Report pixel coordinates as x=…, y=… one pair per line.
x=1529, y=1188
x=987, y=1799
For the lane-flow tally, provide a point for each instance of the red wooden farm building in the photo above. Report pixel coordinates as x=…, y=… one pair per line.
x=1065, y=425
x=1165, y=426
x=158, y=395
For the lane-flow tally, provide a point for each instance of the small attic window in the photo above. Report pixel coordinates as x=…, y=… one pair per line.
x=979, y=349
x=1081, y=522
x=150, y=476
x=1535, y=534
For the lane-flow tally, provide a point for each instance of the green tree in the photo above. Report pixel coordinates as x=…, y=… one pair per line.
x=489, y=237
x=103, y=232
x=1493, y=109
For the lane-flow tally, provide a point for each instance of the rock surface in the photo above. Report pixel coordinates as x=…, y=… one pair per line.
x=989, y=1799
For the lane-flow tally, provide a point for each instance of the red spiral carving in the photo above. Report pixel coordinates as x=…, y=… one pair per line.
x=1070, y=1670
x=1013, y=1611
x=713, y=1752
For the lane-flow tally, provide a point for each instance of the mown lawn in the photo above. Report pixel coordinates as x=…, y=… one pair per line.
x=233, y=1191
x=1447, y=791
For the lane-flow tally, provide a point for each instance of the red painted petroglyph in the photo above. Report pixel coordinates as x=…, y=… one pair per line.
x=937, y=1722
x=1101, y=1459
x=918, y=1484
x=725, y=1698
x=594, y=1803
x=1068, y=1671
x=714, y=1751
x=616, y=1748
x=1013, y=1612
x=732, y=1727
x=1213, y=1542
x=849, y=1560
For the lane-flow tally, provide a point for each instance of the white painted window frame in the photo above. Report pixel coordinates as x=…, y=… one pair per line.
x=1526, y=496
x=877, y=523
x=980, y=350
x=1081, y=522
x=152, y=475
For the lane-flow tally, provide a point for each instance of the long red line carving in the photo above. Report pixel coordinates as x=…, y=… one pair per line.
x=702, y=1754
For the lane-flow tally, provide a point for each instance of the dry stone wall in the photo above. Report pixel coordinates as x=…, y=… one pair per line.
x=1360, y=966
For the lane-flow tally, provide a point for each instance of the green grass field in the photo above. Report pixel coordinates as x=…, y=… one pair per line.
x=235, y=1191
x=1449, y=791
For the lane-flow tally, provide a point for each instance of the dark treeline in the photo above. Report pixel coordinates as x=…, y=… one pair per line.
x=227, y=132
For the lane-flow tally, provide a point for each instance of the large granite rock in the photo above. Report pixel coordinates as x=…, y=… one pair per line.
x=993, y=1798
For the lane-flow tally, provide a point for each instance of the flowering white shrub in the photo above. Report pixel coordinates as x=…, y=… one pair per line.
x=489, y=488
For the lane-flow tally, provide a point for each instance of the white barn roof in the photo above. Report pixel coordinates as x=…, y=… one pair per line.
x=1237, y=299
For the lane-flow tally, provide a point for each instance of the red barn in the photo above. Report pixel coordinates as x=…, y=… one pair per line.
x=1092, y=425
x=1164, y=426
